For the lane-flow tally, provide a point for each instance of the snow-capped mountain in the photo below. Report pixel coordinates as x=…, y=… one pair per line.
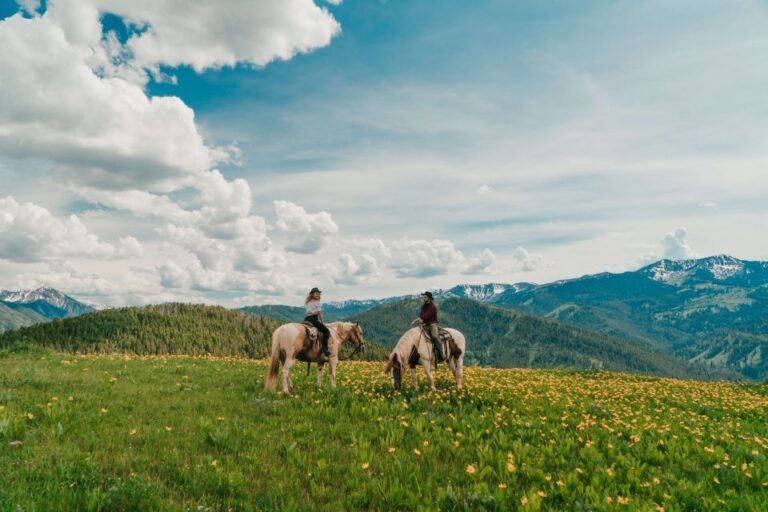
x=48, y=302
x=721, y=269
x=482, y=292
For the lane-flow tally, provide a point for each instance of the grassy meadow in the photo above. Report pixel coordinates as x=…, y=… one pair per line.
x=102, y=432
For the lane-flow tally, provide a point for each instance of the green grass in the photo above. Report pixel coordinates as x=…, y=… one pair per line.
x=179, y=433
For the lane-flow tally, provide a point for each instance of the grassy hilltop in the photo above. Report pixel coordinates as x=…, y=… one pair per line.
x=181, y=433
x=181, y=329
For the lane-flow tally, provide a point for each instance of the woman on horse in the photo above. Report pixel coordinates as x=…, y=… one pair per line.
x=315, y=317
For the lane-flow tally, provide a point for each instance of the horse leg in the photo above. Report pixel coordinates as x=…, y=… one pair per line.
x=319, y=374
x=428, y=370
x=414, y=377
x=332, y=376
x=459, y=371
x=287, y=385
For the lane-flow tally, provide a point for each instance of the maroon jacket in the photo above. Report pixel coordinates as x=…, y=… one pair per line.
x=428, y=313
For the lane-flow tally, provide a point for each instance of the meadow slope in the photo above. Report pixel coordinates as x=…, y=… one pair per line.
x=181, y=433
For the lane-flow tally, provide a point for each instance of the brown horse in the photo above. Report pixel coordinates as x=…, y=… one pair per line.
x=288, y=345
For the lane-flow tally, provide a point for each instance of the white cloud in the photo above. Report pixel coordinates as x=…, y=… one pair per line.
x=140, y=203
x=350, y=270
x=195, y=276
x=307, y=233
x=484, y=190
x=75, y=96
x=29, y=6
x=63, y=275
x=30, y=233
x=675, y=245
x=102, y=132
x=483, y=262
x=173, y=276
x=212, y=34
x=525, y=261
x=424, y=258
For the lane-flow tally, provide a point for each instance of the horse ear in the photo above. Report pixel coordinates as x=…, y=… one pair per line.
x=390, y=363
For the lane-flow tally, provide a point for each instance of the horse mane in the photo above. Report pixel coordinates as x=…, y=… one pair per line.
x=403, y=346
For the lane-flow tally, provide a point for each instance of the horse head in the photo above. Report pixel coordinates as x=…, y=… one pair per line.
x=356, y=336
x=396, y=367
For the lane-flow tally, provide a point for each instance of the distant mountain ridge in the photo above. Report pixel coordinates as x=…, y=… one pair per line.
x=22, y=308
x=506, y=338
x=341, y=310
x=711, y=310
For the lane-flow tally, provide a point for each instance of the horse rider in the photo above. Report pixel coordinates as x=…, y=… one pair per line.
x=428, y=318
x=315, y=317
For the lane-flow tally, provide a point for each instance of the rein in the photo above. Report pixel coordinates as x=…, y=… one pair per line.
x=340, y=333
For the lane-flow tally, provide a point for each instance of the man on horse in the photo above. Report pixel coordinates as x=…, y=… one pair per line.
x=428, y=318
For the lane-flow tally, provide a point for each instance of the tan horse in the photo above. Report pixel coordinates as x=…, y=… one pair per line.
x=288, y=341
x=415, y=337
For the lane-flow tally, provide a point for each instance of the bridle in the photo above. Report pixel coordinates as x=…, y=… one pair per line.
x=359, y=345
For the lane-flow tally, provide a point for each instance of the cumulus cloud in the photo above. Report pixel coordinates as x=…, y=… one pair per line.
x=197, y=277
x=140, y=203
x=30, y=233
x=63, y=275
x=424, y=258
x=29, y=6
x=212, y=34
x=526, y=261
x=483, y=262
x=350, y=270
x=307, y=233
x=101, y=132
x=675, y=245
x=75, y=96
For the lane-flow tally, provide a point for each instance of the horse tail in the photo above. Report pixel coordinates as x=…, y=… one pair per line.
x=274, y=363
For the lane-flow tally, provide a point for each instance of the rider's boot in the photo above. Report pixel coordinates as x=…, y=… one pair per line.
x=324, y=341
x=438, y=351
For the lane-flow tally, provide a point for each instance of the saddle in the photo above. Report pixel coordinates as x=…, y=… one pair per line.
x=448, y=344
x=311, y=342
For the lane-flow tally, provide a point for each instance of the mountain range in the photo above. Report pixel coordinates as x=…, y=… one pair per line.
x=342, y=310
x=711, y=312
x=19, y=309
x=505, y=338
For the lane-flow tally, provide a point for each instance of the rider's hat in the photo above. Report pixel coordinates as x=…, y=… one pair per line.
x=315, y=289
x=428, y=294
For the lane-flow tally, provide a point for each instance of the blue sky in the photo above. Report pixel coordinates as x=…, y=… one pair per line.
x=422, y=144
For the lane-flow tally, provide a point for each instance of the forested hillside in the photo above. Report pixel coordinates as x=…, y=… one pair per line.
x=508, y=338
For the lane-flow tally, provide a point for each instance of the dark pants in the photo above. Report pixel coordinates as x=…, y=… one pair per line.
x=320, y=327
